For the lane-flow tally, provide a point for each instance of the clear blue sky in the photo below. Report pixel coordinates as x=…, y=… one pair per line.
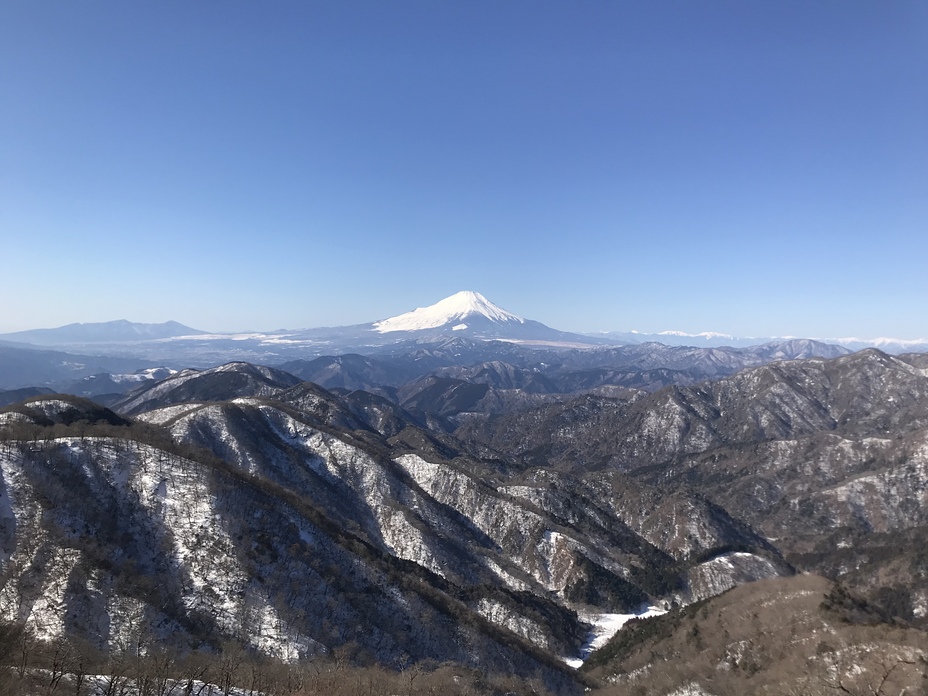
x=756, y=168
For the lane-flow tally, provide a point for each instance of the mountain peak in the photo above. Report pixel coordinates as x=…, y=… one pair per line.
x=455, y=309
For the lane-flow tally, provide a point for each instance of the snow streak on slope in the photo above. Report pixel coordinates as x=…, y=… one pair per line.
x=604, y=626
x=454, y=309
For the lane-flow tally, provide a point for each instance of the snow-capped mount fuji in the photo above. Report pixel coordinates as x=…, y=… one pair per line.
x=468, y=313
x=454, y=312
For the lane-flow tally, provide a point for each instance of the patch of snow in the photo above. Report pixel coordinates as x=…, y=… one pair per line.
x=501, y=615
x=103, y=684
x=721, y=573
x=152, y=373
x=247, y=401
x=12, y=417
x=160, y=416
x=214, y=337
x=45, y=614
x=692, y=689
x=510, y=581
x=50, y=407
x=604, y=627
x=920, y=606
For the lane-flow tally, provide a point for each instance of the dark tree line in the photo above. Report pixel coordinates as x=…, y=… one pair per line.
x=73, y=666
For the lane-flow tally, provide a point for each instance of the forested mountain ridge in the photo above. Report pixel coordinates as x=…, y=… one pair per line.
x=825, y=458
x=241, y=504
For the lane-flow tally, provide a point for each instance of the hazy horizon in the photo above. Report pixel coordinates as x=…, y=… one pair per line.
x=669, y=331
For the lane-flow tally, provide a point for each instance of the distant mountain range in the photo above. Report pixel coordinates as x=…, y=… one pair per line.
x=118, y=331
x=465, y=314
x=712, y=339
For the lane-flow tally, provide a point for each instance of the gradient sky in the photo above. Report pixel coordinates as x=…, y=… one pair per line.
x=755, y=168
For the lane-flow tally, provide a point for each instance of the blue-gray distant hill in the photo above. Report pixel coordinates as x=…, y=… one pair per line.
x=117, y=331
x=25, y=366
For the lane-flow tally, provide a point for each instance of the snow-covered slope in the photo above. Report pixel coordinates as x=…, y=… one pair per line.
x=215, y=384
x=455, y=310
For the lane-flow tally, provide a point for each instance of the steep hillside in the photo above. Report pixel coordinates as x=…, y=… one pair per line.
x=116, y=535
x=785, y=636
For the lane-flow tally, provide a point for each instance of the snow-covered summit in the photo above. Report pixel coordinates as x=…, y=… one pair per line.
x=457, y=309
x=707, y=335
